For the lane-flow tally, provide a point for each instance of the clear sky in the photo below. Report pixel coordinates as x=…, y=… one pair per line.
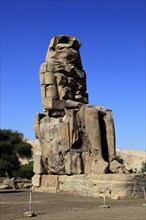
x=113, y=56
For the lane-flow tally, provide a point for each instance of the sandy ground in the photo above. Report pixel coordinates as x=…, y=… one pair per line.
x=13, y=205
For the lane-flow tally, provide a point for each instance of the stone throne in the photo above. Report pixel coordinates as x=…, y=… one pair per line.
x=75, y=138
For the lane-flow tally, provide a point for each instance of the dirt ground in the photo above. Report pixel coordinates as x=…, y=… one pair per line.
x=13, y=205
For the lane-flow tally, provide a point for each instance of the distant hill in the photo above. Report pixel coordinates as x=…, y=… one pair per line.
x=35, y=145
x=35, y=148
x=133, y=159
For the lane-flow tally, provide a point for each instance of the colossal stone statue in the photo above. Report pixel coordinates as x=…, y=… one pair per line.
x=75, y=138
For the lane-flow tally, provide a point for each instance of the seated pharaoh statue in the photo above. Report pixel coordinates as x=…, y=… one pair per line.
x=75, y=138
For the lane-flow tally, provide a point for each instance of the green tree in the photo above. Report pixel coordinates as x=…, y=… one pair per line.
x=26, y=170
x=12, y=147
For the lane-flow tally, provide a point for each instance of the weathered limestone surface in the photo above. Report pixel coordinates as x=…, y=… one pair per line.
x=36, y=180
x=37, y=166
x=61, y=75
x=75, y=138
x=114, y=186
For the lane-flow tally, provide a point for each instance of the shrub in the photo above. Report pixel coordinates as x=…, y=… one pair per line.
x=119, y=159
x=143, y=168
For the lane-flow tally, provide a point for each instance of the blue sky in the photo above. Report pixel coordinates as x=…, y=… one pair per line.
x=113, y=55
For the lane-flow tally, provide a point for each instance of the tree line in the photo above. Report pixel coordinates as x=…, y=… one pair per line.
x=13, y=147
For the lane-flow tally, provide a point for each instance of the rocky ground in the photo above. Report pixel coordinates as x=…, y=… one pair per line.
x=13, y=205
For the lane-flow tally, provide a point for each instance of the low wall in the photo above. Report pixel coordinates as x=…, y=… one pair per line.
x=112, y=186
